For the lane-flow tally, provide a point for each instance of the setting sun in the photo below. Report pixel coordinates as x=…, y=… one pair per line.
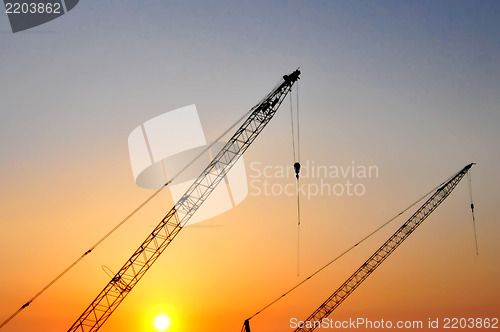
x=162, y=323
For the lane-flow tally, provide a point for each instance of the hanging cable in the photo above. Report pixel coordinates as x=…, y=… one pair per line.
x=298, y=230
x=292, y=126
x=296, y=168
x=346, y=251
x=472, y=211
x=298, y=123
x=123, y=221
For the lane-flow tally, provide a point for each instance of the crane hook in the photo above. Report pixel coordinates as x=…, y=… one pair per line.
x=296, y=168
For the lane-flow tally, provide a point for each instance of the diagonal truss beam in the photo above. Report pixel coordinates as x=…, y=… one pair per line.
x=96, y=314
x=336, y=299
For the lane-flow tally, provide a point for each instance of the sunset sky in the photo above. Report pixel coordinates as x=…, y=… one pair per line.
x=410, y=87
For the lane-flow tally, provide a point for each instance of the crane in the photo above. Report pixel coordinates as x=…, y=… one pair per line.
x=346, y=289
x=122, y=283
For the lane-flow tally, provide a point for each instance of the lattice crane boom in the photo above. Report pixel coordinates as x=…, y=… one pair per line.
x=346, y=289
x=148, y=252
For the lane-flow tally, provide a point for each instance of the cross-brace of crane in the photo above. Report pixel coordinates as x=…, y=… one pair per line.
x=148, y=252
x=367, y=268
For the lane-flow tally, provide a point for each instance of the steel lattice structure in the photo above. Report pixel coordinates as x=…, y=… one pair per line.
x=382, y=253
x=148, y=252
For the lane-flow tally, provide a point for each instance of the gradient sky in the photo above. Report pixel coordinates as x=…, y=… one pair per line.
x=411, y=87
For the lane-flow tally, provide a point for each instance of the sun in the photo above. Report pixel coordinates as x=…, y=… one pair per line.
x=162, y=322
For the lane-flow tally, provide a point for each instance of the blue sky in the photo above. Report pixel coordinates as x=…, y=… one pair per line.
x=410, y=86
x=412, y=52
